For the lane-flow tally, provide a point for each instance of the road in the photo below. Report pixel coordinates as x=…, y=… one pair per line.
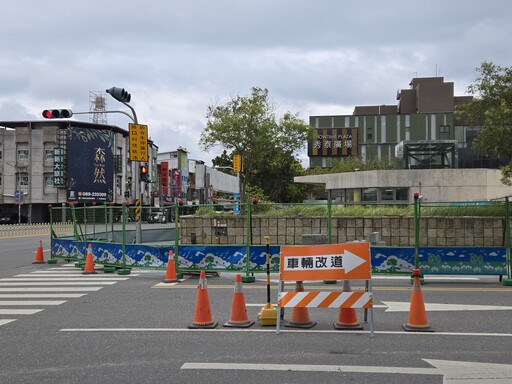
x=106, y=328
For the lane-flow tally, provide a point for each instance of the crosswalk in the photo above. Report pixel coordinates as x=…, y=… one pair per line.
x=30, y=293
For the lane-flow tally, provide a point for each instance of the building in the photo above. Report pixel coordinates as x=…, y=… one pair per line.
x=425, y=112
x=421, y=135
x=58, y=162
x=191, y=180
x=398, y=186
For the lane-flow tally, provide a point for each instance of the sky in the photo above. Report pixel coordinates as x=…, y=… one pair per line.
x=176, y=58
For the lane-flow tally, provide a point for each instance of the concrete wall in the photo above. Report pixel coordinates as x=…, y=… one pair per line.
x=394, y=230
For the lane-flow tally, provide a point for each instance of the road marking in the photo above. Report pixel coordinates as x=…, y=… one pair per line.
x=312, y=368
x=272, y=330
x=51, y=289
x=45, y=274
x=501, y=289
x=467, y=372
x=6, y=311
x=51, y=283
x=31, y=302
x=453, y=371
x=395, y=306
x=6, y=321
x=41, y=295
x=84, y=278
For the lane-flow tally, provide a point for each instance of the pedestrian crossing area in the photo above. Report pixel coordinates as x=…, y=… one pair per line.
x=30, y=293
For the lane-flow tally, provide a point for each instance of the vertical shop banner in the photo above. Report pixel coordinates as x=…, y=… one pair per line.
x=90, y=165
x=176, y=182
x=164, y=177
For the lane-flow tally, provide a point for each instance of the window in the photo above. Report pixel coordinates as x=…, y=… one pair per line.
x=444, y=132
x=22, y=154
x=48, y=180
x=370, y=194
x=402, y=194
x=387, y=195
x=22, y=180
x=369, y=134
x=48, y=154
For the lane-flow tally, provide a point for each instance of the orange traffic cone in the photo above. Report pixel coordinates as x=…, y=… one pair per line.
x=170, y=274
x=203, y=314
x=89, y=262
x=347, y=318
x=238, y=317
x=300, y=316
x=39, y=254
x=417, y=315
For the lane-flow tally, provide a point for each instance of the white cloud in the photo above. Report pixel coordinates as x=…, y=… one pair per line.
x=176, y=58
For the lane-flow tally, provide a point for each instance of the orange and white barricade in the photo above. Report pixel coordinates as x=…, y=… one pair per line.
x=350, y=261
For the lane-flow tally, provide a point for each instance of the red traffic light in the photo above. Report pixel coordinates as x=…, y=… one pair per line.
x=57, y=113
x=180, y=202
x=254, y=200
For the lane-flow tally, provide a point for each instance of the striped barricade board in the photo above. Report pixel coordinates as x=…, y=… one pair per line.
x=348, y=261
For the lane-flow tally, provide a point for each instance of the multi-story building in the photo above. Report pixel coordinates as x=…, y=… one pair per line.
x=425, y=112
x=57, y=162
x=191, y=180
x=421, y=135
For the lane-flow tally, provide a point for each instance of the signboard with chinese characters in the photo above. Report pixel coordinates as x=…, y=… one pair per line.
x=59, y=167
x=333, y=142
x=90, y=165
x=176, y=182
x=138, y=142
x=164, y=177
x=349, y=261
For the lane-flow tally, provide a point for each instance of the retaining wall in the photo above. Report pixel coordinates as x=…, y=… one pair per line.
x=394, y=231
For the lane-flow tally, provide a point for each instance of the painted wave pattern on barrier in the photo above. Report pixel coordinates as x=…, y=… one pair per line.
x=233, y=258
x=482, y=261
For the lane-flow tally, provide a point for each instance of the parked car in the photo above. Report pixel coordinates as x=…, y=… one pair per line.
x=12, y=218
x=157, y=217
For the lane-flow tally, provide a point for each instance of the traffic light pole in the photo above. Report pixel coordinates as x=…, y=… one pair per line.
x=124, y=97
x=139, y=190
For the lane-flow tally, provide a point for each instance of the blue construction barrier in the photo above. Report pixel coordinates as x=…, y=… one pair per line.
x=232, y=258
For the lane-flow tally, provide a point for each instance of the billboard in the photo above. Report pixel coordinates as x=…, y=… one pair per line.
x=90, y=165
x=333, y=142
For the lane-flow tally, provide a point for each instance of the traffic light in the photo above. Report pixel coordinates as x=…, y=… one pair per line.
x=119, y=94
x=144, y=173
x=57, y=113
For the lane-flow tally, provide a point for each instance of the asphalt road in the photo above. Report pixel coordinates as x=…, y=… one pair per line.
x=106, y=328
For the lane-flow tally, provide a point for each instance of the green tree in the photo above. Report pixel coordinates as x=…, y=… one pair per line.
x=247, y=126
x=492, y=108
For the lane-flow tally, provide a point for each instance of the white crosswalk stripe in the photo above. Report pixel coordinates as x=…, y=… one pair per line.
x=44, y=288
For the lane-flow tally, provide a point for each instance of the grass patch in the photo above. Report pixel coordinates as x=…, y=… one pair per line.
x=358, y=210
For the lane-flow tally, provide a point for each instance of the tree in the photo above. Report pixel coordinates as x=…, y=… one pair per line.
x=492, y=108
x=247, y=126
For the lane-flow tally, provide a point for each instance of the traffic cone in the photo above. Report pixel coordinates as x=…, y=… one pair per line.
x=89, y=262
x=417, y=315
x=170, y=274
x=347, y=318
x=203, y=314
x=39, y=254
x=238, y=317
x=300, y=316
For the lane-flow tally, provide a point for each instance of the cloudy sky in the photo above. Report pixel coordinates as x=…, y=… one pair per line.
x=178, y=57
